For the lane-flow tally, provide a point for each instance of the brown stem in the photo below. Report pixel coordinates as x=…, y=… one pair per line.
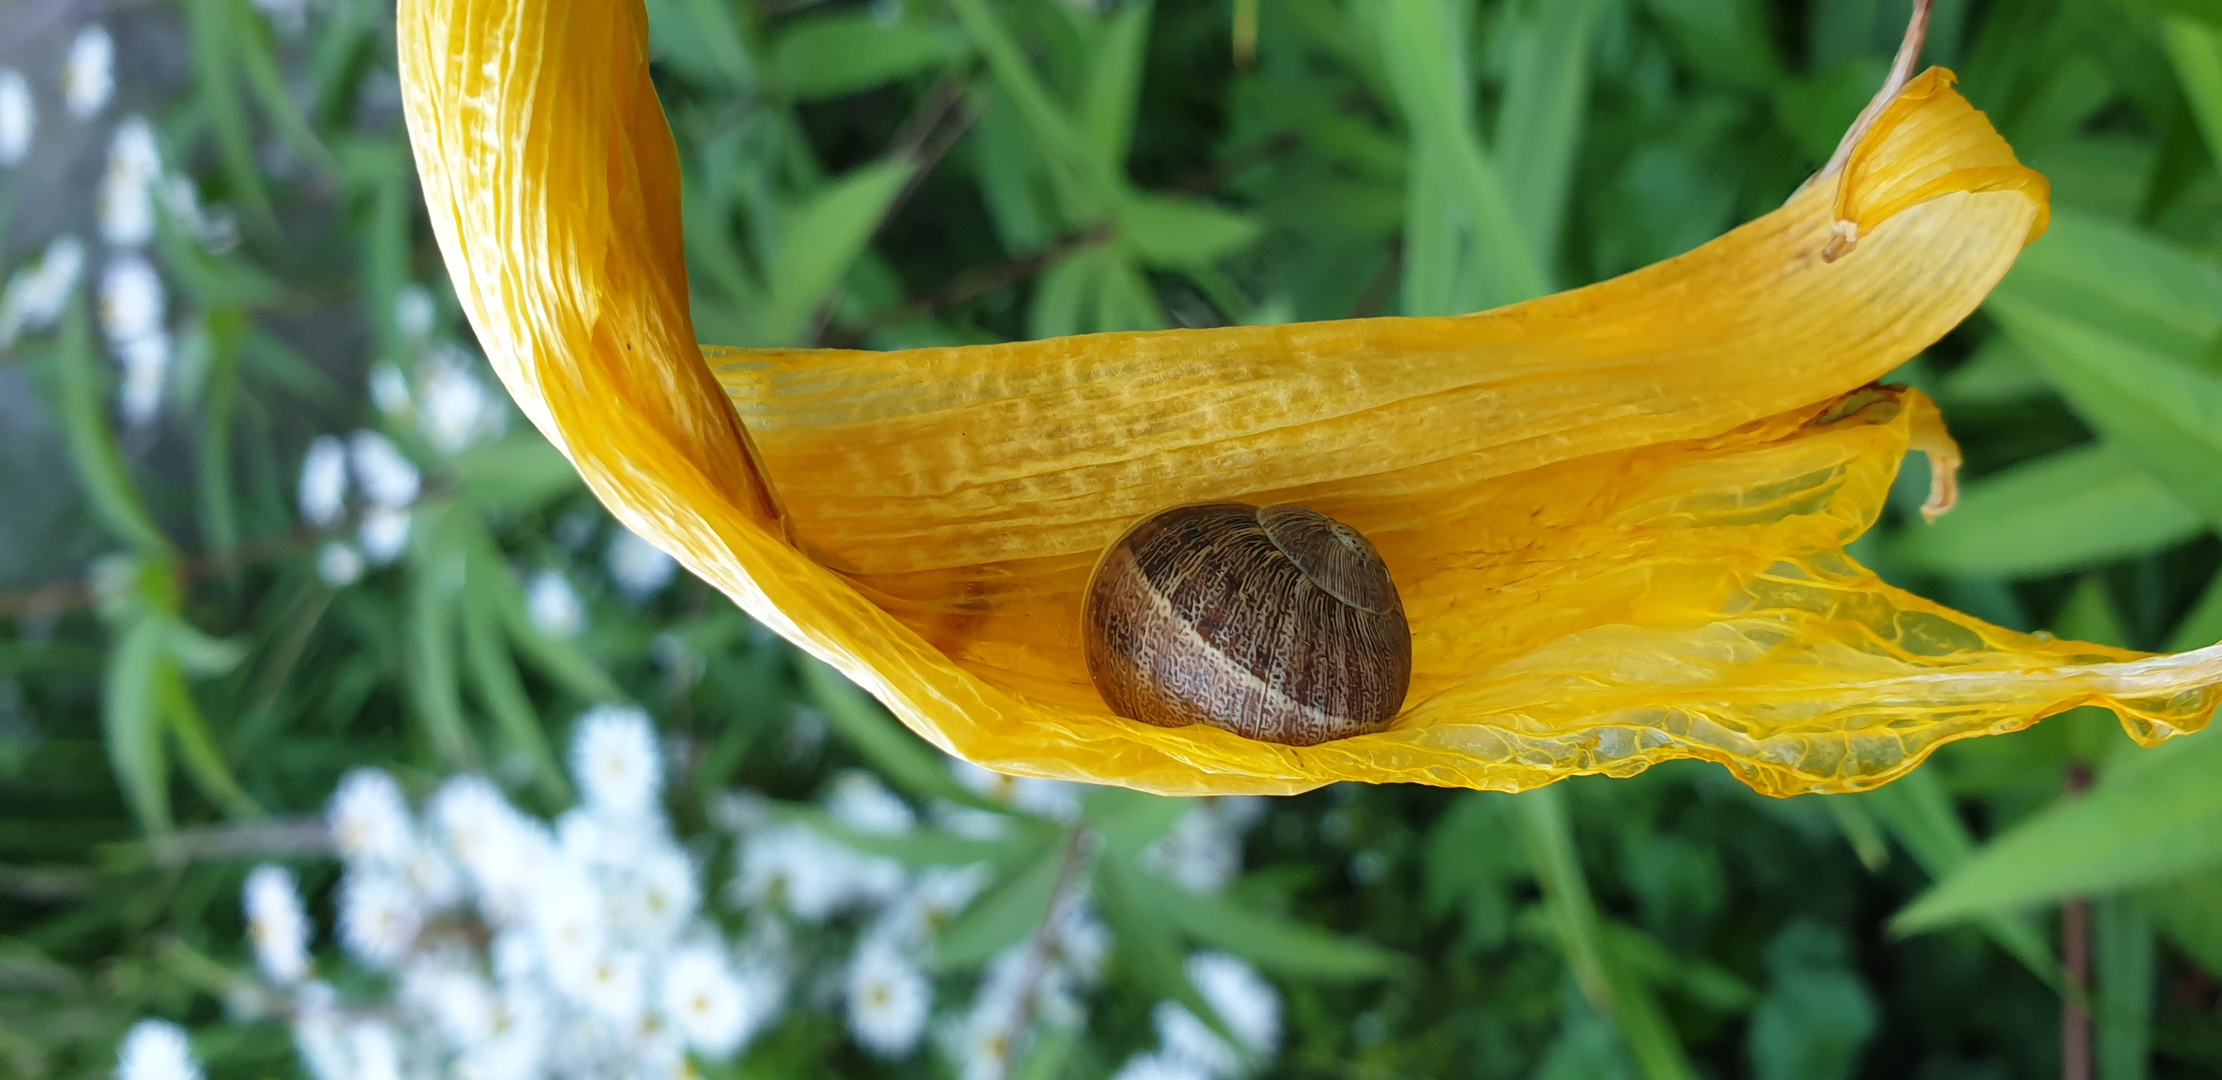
x=2075, y=962
x=1901, y=72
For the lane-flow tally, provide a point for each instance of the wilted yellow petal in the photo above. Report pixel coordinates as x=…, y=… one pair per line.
x=1616, y=515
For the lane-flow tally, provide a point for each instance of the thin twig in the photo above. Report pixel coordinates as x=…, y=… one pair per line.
x=1077, y=844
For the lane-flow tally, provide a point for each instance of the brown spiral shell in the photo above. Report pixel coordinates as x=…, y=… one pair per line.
x=1279, y=624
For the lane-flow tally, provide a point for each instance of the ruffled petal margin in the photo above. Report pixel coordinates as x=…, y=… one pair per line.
x=1617, y=514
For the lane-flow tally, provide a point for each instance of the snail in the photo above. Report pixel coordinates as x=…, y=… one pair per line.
x=1279, y=624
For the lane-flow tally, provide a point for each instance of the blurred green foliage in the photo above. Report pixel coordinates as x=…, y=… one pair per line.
x=932, y=171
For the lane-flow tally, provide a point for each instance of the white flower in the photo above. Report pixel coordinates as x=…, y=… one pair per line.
x=277, y=924
x=131, y=302
x=19, y=117
x=36, y=294
x=388, y=478
x=554, y=605
x=413, y=311
x=615, y=987
x=127, y=188
x=888, y=999
x=986, y=1044
x=458, y=1001
x=383, y=534
x=569, y=924
x=1159, y=1067
x=504, y=853
x=377, y=1057
x=1245, y=1001
x=339, y=564
x=717, y=1013
x=658, y=895
x=323, y=489
x=156, y=1050
x=389, y=390
x=457, y=409
x=1203, y=851
x=639, y=568
x=378, y=917
x=88, y=74
x=815, y=876
x=146, y=363
x=369, y=819
x=1056, y=800
x=859, y=801
x=938, y=895
x=613, y=757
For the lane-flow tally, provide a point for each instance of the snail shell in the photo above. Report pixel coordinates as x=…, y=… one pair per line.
x=1278, y=624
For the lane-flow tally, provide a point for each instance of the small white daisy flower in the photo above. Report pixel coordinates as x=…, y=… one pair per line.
x=131, y=301
x=126, y=201
x=389, y=390
x=338, y=564
x=378, y=917
x=986, y=1045
x=1245, y=1001
x=369, y=819
x=156, y=1050
x=19, y=117
x=37, y=293
x=383, y=534
x=146, y=367
x=276, y=924
x=889, y=999
x=640, y=569
x=614, y=759
x=707, y=1004
x=457, y=409
x=323, y=488
x=388, y=477
x=658, y=895
x=88, y=73
x=859, y=801
x=554, y=605
x=413, y=312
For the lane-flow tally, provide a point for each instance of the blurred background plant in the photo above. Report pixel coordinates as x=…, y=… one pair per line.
x=297, y=614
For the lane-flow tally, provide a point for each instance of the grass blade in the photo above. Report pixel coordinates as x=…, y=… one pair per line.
x=2123, y=959
x=1919, y=814
x=131, y=722
x=2088, y=505
x=825, y=238
x=92, y=440
x=494, y=680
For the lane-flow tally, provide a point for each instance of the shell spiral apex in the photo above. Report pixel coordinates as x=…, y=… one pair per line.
x=1279, y=624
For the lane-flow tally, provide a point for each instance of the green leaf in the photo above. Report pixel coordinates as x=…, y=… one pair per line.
x=1919, y=814
x=1860, y=831
x=1610, y=989
x=2123, y=282
x=2152, y=820
x=1087, y=181
x=934, y=847
x=203, y=761
x=1273, y=943
x=92, y=440
x=832, y=55
x=215, y=29
x=1423, y=47
x=195, y=652
x=516, y=473
x=2195, y=47
x=1115, y=83
x=2189, y=910
x=435, y=591
x=1129, y=821
x=1146, y=939
x=1726, y=41
x=1175, y=232
x=1540, y=119
x=2157, y=410
x=2123, y=956
x=131, y=723
x=823, y=241
x=898, y=755
x=1005, y=913
x=2081, y=506
x=258, y=60
x=494, y=678
x=2202, y=626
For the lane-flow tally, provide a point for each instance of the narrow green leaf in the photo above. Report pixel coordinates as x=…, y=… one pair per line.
x=197, y=747
x=2189, y=910
x=835, y=54
x=1129, y=821
x=1919, y=814
x=1860, y=831
x=1174, y=232
x=897, y=754
x=131, y=723
x=259, y=61
x=1726, y=41
x=2159, y=818
x=1273, y=943
x=1540, y=118
x=227, y=330
x=197, y=653
x=934, y=847
x=1146, y=939
x=1550, y=842
x=92, y=440
x=1115, y=83
x=1052, y=1048
x=2077, y=507
x=2202, y=626
x=1004, y=914
x=2157, y=410
x=2195, y=46
x=823, y=241
x=435, y=588
x=1427, y=66
x=215, y=36
x=1087, y=181
x=494, y=680
x=2125, y=282
x=2123, y=955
